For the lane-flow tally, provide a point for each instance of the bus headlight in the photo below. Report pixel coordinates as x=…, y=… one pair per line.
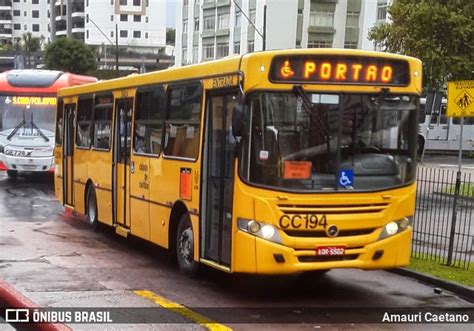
x=259, y=229
x=2, y=149
x=395, y=227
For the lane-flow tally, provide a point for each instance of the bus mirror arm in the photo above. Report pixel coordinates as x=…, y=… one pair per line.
x=238, y=122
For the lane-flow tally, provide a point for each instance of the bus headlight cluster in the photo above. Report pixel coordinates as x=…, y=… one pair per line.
x=395, y=227
x=259, y=229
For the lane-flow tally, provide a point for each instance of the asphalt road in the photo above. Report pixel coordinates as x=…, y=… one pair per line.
x=57, y=261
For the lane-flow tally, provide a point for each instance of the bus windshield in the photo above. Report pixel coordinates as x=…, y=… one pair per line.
x=31, y=116
x=305, y=141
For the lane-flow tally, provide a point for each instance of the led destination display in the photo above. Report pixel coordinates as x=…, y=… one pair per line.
x=340, y=69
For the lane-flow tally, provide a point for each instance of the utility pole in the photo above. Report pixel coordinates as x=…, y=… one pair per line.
x=110, y=41
x=262, y=35
x=116, y=51
x=264, y=27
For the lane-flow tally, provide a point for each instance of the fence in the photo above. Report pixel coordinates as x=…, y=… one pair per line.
x=443, y=224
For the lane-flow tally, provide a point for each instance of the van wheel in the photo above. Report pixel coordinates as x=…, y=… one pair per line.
x=12, y=173
x=185, y=247
x=92, y=211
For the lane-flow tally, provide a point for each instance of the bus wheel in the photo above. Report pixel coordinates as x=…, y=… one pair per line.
x=92, y=208
x=185, y=246
x=12, y=173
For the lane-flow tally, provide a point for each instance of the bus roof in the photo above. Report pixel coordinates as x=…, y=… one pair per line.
x=34, y=81
x=228, y=65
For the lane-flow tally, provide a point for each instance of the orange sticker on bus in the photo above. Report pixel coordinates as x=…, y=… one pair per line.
x=297, y=170
x=185, y=184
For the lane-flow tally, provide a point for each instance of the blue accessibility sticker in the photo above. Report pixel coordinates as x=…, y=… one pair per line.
x=345, y=177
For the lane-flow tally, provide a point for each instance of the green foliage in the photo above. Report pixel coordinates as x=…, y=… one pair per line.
x=440, y=33
x=30, y=43
x=461, y=276
x=71, y=55
x=170, y=36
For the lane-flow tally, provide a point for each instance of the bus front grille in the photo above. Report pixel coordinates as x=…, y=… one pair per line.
x=333, y=209
x=322, y=233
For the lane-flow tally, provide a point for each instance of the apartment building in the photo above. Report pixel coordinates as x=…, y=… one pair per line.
x=141, y=23
x=20, y=16
x=212, y=29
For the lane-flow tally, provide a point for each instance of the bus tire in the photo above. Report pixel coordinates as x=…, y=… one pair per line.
x=185, y=246
x=12, y=174
x=92, y=210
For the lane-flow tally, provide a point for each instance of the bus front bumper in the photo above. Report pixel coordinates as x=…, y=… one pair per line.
x=271, y=258
x=35, y=164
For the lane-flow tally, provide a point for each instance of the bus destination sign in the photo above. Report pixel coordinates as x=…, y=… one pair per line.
x=339, y=69
x=30, y=101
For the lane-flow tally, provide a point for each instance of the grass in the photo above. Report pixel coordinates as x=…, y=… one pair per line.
x=434, y=268
x=465, y=190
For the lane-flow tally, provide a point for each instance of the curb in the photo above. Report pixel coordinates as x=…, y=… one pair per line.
x=11, y=298
x=464, y=292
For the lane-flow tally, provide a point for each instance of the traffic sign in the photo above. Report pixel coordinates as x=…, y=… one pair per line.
x=460, y=98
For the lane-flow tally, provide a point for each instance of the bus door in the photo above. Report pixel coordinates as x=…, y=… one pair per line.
x=121, y=161
x=219, y=184
x=439, y=124
x=68, y=155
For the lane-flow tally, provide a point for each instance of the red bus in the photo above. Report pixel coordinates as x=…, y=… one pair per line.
x=27, y=114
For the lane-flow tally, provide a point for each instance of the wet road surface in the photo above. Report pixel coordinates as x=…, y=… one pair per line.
x=56, y=260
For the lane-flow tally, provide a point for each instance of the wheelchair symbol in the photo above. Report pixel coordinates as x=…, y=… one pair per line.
x=346, y=178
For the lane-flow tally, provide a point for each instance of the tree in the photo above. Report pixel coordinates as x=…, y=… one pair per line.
x=29, y=44
x=71, y=55
x=439, y=32
x=170, y=36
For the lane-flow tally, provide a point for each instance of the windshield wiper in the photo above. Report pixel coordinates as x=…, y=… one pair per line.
x=33, y=125
x=15, y=130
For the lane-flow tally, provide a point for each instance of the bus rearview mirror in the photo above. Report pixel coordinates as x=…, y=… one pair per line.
x=238, y=122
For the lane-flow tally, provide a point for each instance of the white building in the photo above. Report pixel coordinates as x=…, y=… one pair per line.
x=211, y=29
x=141, y=23
x=18, y=17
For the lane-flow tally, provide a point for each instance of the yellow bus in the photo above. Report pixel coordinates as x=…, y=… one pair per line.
x=273, y=162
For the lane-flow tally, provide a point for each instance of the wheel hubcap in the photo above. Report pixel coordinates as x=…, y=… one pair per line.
x=186, y=245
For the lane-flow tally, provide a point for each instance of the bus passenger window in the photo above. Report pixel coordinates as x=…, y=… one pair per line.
x=103, y=121
x=59, y=123
x=443, y=119
x=149, y=121
x=83, y=125
x=183, y=122
x=467, y=120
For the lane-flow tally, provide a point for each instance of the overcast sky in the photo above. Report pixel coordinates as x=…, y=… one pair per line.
x=170, y=13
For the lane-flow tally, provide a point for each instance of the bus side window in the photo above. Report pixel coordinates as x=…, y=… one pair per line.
x=149, y=112
x=443, y=119
x=84, y=121
x=467, y=120
x=183, y=121
x=422, y=114
x=103, y=121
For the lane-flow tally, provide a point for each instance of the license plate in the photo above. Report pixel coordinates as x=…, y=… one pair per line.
x=330, y=250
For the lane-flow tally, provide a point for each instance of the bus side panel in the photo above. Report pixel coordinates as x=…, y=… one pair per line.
x=139, y=192
x=159, y=212
x=159, y=225
x=100, y=172
x=81, y=161
x=166, y=188
x=58, y=173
